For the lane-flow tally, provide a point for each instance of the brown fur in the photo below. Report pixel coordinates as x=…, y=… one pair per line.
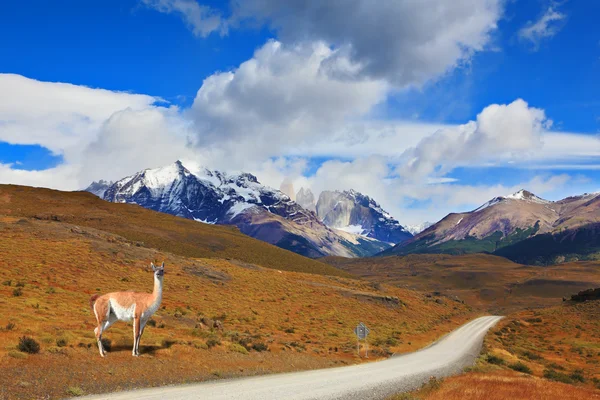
x=93, y=300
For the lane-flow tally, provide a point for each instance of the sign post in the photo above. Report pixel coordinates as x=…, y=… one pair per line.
x=361, y=331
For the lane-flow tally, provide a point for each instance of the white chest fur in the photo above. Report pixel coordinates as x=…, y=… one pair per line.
x=122, y=313
x=152, y=309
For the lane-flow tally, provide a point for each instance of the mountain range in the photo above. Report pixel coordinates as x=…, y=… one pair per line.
x=215, y=197
x=522, y=227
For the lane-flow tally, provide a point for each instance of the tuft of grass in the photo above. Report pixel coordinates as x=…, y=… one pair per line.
x=28, y=345
x=17, y=354
x=17, y=292
x=61, y=342
x=238, y=348
x=75, y=391
x=9, y=327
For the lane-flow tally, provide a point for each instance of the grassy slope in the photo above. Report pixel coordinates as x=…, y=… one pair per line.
x=305, y=320
x=152, y=229
x=489, y=282
x=559, y=345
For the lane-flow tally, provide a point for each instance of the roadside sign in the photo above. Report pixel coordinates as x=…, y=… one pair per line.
x=361, y=331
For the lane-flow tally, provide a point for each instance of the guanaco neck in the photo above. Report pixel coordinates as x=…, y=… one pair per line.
x=158, y=287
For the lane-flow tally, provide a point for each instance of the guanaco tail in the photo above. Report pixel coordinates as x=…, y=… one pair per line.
x=127, y=306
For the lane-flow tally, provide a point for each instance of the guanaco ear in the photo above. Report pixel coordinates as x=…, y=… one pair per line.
x=163, y=265
x=153, y=266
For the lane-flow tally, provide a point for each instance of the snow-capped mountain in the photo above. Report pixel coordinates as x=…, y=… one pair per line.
x=507, y=222
x=98, y=188
x=355, y=213
x=216, y=197
x=418, y=228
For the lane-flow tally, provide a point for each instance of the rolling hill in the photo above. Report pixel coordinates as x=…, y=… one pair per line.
x=521, y=227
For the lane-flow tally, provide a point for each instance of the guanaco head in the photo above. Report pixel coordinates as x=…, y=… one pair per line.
x=159, y=272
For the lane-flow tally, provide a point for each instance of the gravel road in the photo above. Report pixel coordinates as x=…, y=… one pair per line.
x=376, y=380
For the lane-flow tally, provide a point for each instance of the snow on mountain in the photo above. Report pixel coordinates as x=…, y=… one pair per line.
x=216, y=197
x=354, y=212
x=522, y=194
x=418, y=228
x=98, y=188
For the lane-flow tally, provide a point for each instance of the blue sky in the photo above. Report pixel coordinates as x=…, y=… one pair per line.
x=150, y=50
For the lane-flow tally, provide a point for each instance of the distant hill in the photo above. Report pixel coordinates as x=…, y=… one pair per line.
x=522, y=227
x=152, y=229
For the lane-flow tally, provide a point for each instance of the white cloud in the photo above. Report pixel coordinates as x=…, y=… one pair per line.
x=500, y=133
x=279, y=100
x=405, y=42
x=546, y=26
x=59, y=116
x=201, y=20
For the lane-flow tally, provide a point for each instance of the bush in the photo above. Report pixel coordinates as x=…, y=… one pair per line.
x=532, y=356
x=259, y=346
x=290, y=330
x=20, y=284
x=577, y=376
x=18, y=292
x=492, y=359
x=151, y=322
x=238, y=348
x=7, y=283
x=520, y=367
x=167, y=343
x=28, y=345
x=212, y=342
x=62, y=342
x=557, y=376
x=10, y=326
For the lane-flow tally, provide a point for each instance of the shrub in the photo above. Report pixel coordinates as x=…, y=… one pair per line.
x=577, y=376
x=557, y=376
x=62, y=342
x=17, y=292
x=532, y=356
x=10, y=326
x=238, y=348
x=212, y=342
x=167, y=343
x=151, y=322
x=20, y=284
x=28, y=345
x=7, y=283
x=391, y=341
x=259, y=346
x=200, y=345
x=520, y=367
x=290, y=330
x=492, y=359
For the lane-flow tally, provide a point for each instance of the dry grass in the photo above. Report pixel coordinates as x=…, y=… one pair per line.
x=502, y=386
x=560, y=343
x=483, y=281
x=304, y=320
x=150, y=229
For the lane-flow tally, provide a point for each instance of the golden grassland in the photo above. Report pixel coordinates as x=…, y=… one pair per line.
x=484, y=281
x=273, y=320
x=152, y=229
x=498, y=386
x=550, y=353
